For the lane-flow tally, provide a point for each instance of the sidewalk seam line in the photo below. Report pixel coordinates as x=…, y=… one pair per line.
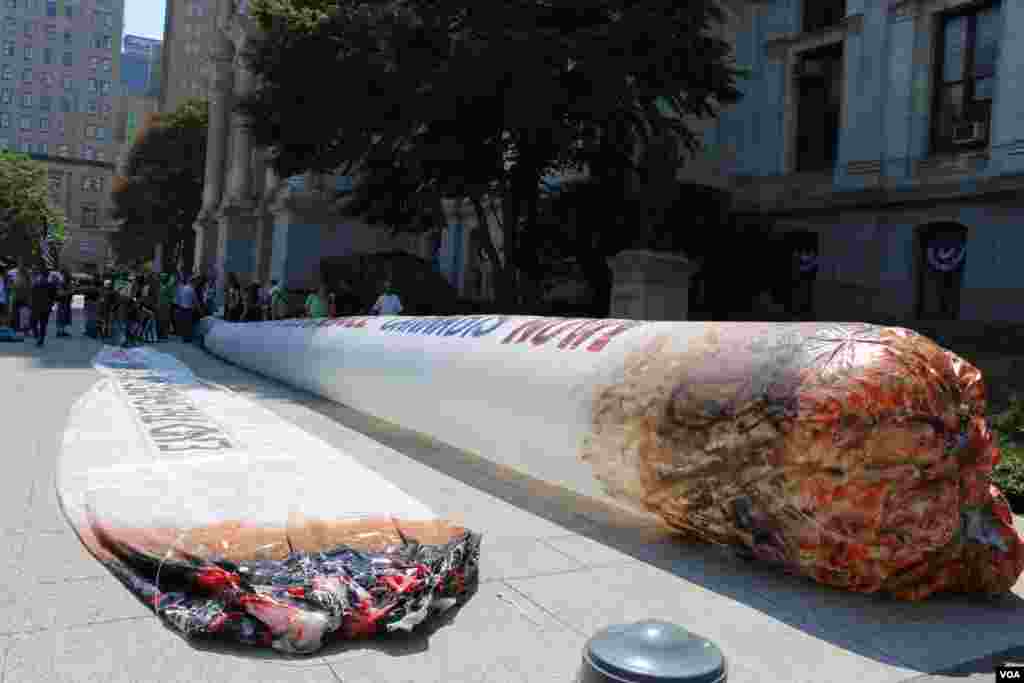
x=545, y=610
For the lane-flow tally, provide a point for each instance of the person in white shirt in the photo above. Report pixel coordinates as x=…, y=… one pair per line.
x=388, y=303
x=186, y=301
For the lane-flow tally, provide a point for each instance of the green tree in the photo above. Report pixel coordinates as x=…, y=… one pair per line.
x=25, y=209
x=480, y=101
x=160, y=192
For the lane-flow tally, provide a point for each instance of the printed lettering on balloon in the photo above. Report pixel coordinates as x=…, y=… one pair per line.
x=572, y=332
x=459, y=326
x=167, y=417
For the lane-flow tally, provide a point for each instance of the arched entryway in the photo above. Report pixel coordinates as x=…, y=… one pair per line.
x=941, y=257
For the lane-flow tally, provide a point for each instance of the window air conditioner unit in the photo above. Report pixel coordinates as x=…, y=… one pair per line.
x=965, y=134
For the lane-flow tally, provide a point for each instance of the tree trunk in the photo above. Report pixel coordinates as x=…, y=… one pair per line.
x=503, y=286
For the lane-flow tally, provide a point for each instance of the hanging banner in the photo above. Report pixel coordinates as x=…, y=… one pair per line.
x=232, y=523
x=854, y=454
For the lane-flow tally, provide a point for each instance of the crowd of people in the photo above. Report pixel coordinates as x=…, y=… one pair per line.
x=139, y=308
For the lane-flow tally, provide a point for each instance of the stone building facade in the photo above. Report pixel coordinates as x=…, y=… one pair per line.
x=263, y=227
x=886, y=139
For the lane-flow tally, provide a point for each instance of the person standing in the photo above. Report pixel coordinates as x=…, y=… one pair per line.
x=165, y=305
x=252, y=311
x=186, y=302
x=233, y=299
x=66, y=292
x=316, y=303
x=43, y=296
x=22, y=300
x=278, y=301
x=387, y=303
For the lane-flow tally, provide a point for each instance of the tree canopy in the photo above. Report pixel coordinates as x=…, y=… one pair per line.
x=160, y=191
x=431, y=99
x=25, y=209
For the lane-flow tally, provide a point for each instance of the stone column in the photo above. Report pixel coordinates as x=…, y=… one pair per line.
x=237, y=215
x=216, y=148
x=650, y=285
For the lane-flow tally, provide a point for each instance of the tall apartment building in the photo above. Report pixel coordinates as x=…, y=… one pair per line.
x=59, y=82
x=189, y=32
x=140, y=90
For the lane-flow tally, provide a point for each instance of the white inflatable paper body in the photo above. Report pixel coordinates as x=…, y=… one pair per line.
x=854, y=454
x=232, y=523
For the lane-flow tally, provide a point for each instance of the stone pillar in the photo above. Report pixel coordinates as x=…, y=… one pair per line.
x=237, y=215
x=216, y=150
x=650, y=285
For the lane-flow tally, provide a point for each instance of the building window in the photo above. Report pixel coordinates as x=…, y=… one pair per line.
x=67, y=37
x=25, y=147
x=51, y=32
x=26, y=99
x=819, y=92
x=68, y=10
x=68, y=82
x=93, y=63
x=90, y=214
x=47, y=79
x=107, y=43
x=12, y=4
x=966, y=78
x=7, y=74
x=5, y=144
x=28, y=28
x=68, y=59
x=65, y=105
x=43, y=148
x=44, y=123
x=11, y=25
x=101, y=134
x=47, y=55
x=8, y=48
x=92, y=107
x=51, y=8
x=92, y=85
x=108, y=64
x=5, y=120
x=44, y=102
x=26, y=76
x=28, y=53
x=104, y=87
x=26, y=123
x=6, y=95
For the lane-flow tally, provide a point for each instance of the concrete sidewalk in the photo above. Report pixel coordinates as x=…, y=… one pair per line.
x=555, y=568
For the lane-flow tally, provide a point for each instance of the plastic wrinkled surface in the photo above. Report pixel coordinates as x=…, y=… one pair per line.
x=853, y=454
x=231, y=523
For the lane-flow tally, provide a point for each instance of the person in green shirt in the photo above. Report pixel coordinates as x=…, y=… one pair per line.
x=316, y=303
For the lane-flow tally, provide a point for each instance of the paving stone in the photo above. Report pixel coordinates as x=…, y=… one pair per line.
x=749, y=633
x=589, y=552
x=499, y=635
x=54, y=558
x=141, y=651
x=46, y=515
x=29, y=606
x=507, y=558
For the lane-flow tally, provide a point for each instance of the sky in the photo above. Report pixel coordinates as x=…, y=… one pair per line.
x=144, y=18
